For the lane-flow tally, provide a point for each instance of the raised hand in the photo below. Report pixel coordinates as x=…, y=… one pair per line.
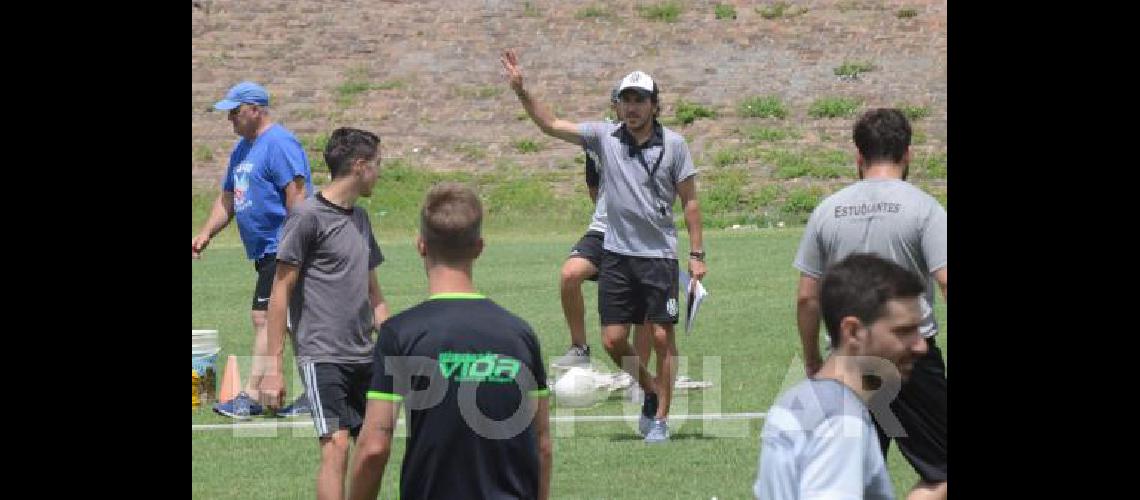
x=511, y=64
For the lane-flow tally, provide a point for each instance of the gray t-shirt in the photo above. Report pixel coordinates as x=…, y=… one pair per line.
x=640, y=216
x=598, y=221
x=818, y=441
x=888, y=217
x=329, y=311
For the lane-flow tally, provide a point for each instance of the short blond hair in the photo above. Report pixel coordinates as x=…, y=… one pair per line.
x=451, y=222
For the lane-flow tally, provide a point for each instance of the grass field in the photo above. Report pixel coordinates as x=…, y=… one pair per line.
x=745, y=342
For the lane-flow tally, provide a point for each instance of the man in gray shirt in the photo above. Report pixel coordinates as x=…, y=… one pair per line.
x=326, y=289
x=582, y=264
x=885, y=215
x=818, y=439
x=644, y=167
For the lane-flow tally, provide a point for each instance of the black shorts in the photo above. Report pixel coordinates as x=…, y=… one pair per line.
x=336, y=395
x=921, y=408
x=590, y=248
x=636, y=289
x=266, y=266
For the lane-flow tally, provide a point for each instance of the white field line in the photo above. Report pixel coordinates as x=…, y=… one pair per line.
x=301, y=423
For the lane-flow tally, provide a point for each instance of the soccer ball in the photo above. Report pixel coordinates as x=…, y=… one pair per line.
x=577, y=388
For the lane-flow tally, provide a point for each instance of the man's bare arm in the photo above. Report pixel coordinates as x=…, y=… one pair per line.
x=538, y=112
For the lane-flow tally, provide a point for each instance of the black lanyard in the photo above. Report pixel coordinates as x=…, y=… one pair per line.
x=652, y=173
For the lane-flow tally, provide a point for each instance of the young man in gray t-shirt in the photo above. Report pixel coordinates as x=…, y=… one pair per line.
x=818, y=440
x=885, y=215
x=644, y=167
x=326, y=290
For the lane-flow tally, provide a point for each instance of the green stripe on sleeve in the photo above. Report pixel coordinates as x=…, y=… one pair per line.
x=457, y=296
x=384, y=396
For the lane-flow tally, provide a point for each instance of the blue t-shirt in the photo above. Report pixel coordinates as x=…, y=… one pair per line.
x=257, y=176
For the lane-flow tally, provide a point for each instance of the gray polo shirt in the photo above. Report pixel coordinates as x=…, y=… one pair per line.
x=329, y=311
x=639, y=215
x=593, y=179
x=887, y=217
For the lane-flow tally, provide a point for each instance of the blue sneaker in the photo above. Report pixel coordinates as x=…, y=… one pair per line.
x=298, y=408
x=648, y=411
x=658, y=432
x=241, y=407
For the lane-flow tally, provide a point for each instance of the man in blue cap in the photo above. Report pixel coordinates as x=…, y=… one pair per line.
x=268, y=173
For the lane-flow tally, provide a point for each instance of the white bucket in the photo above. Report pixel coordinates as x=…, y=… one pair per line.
x=203, y=341
x=203, y=359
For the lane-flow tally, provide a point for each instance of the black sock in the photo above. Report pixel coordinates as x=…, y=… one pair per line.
x=649, y=408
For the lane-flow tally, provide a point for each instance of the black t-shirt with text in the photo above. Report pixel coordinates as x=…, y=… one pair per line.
x=467, y=371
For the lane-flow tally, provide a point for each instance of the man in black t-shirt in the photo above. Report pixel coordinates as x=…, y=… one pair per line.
x=469, y=372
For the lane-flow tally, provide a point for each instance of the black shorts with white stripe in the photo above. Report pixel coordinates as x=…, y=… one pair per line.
x=266, y=266
x=336, y=392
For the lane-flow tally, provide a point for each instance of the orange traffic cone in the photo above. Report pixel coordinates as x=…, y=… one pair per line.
x=231, y=380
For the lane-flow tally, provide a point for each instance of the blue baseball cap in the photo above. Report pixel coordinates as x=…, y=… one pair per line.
x=243, y=93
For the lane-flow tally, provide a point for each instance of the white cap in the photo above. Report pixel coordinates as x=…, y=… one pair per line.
x=637, y=80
